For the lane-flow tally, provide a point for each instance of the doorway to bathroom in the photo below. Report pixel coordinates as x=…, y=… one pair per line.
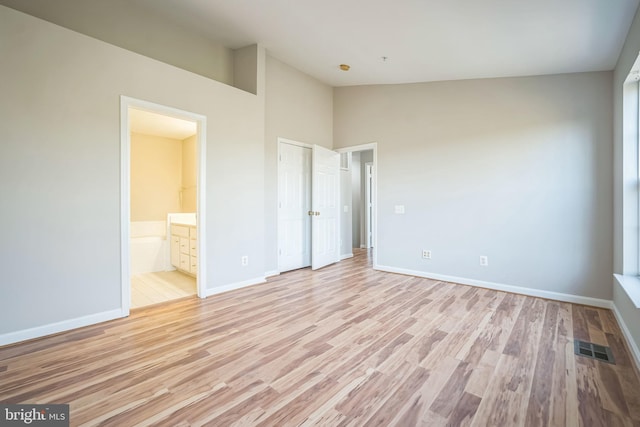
x=162, y=203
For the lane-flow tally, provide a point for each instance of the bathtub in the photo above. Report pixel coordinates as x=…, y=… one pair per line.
x=149, y=247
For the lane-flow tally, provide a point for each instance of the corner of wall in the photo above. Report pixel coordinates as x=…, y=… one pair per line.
x=248, y=69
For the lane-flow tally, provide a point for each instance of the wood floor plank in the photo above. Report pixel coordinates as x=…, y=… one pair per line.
x=538, y=412
x=563, y=377
x=440, y=373
x=590, y=408
x=343, y=346
x=464, y=410
x=386, y=413
x=500, y=405
x=452, y=391
x=612, y=396
x=483, y=373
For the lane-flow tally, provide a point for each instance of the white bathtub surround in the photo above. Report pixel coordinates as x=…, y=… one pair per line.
x=149, y=247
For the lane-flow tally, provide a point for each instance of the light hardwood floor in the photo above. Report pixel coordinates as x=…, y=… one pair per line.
x=162, y=286
x=343, y=346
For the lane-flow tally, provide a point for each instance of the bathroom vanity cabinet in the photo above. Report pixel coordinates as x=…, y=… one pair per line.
x=184, y=248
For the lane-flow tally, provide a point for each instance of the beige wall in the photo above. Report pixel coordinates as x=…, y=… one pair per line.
x=519, y=170
x=300, y=108
x=189, y=174
x=131, y=26
x=60, y=161
x=156, y=177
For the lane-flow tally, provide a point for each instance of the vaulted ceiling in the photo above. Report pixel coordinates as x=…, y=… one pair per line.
x=422, y=40
x=389, y=41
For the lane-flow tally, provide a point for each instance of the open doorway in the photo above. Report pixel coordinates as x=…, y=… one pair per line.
x=162, y=203
x=361, y=172
x=358, y=184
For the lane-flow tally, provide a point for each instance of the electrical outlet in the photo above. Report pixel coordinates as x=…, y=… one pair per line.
x=426, y=254
x=245, y=260
x=484, y=260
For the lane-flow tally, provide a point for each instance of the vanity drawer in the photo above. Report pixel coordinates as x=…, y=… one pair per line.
x=184, y=245
x=193, y=247
x=185, y=261
x=193, y=269
x=193, y=232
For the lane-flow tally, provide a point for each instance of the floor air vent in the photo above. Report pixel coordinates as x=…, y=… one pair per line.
x=594, y=351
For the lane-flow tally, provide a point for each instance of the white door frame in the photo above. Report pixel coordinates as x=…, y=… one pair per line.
x=368, y=202
x=125, y=191
x=364, y=147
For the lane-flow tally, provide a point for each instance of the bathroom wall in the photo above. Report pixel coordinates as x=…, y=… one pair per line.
x=156, y=177
x=189, y=174
x=163, y=176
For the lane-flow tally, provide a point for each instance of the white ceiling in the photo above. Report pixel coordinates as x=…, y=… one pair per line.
x=158, y=125
x=424, y=40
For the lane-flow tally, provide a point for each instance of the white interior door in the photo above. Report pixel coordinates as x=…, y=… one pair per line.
x=294, y=204
x=325, y=210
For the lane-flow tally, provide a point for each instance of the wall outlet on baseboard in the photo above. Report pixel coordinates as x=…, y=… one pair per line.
x=484, y=260
x=426, y=254
x=244, y=260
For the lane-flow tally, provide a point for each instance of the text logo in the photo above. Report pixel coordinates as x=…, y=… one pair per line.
x=34, y=415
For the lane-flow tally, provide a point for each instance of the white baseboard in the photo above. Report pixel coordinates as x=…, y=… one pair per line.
x=635, y=351
x=66, y=325
x=345, y=256
x=54, y=328
x=271, y=273
x=232, y=286
x=576, y=299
